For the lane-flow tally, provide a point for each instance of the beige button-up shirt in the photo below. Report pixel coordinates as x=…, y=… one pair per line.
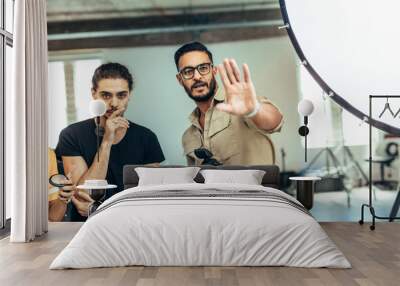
x=234, y=140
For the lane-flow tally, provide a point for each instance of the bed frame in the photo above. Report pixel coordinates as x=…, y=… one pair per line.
x=270, y=179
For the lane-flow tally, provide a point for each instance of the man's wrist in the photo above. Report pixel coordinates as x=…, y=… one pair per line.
x=255, y=110
x=107, y=142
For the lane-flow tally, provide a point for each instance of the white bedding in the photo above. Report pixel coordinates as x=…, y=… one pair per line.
x=182, y=231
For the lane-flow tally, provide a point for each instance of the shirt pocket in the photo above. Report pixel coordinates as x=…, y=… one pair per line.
x=189, y=145
x=223, y=138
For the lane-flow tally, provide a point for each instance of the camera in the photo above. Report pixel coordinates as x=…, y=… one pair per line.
x=207, y=156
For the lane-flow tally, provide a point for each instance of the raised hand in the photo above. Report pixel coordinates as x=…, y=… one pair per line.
x=240, y=95
x=115, y=123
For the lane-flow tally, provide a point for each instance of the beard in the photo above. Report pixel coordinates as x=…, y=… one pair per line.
x=202, y=98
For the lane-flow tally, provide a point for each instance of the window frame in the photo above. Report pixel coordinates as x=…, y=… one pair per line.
x=6, y=39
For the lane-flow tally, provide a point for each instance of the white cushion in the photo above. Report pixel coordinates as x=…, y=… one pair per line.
x=165, y=176
x=248, y=177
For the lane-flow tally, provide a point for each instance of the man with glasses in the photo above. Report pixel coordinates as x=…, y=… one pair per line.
x=232, y=122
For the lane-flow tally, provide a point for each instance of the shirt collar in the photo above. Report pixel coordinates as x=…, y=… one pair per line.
x=194, y=116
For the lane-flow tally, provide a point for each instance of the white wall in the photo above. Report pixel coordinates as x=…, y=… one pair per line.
x=83, y=72
x=162, y=105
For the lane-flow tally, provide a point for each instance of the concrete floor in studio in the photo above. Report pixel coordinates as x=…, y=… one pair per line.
x=332, y=206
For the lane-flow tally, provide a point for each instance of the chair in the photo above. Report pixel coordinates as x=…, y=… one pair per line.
x=382, y=183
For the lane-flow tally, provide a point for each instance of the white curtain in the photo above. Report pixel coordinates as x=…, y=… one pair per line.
x=27, y=123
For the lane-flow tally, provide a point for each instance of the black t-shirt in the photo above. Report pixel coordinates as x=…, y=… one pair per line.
x=138, y=147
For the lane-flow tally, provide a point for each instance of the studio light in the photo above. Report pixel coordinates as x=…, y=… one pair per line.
x=305, y=109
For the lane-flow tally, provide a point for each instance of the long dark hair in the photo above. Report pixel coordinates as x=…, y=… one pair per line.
x=112, y=70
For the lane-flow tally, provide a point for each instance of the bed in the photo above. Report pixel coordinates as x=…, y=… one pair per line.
x=197, y=224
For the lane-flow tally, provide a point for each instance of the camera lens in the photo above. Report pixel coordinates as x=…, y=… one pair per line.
x=203, y=153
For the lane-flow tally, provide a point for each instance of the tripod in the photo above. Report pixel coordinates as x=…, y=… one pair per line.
x=341, y=168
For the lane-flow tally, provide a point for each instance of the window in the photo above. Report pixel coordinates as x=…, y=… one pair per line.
x=69, y=93
x=6, y=44
x=9, y=12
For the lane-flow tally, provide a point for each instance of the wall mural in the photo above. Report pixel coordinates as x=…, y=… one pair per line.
x=183, y=84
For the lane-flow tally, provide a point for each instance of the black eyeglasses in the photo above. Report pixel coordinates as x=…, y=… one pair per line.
x=203, y=69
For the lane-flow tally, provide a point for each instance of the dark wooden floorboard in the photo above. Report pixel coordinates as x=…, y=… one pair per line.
x=375, y=257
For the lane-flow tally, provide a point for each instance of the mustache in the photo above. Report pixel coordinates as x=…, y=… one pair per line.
x=112, y=109
x=198, y=84
x=212, y=87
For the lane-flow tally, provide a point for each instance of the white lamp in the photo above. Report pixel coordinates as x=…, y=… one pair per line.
x=305, y=108
x=97, y=108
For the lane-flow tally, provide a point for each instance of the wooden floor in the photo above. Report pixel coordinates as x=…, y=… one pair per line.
x=374, y=255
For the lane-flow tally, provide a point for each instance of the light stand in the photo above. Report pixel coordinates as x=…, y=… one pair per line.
x=303, y=131
x=97, y=121
x=97, y=109
x=305, y=108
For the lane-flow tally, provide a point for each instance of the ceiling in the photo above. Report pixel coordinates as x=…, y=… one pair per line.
x=88, y=24
x=71, y=10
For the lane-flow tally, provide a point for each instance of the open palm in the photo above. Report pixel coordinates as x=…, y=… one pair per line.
x=240, y=95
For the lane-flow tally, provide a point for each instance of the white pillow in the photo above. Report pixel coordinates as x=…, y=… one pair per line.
x=163, y=176
x=248, y=177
